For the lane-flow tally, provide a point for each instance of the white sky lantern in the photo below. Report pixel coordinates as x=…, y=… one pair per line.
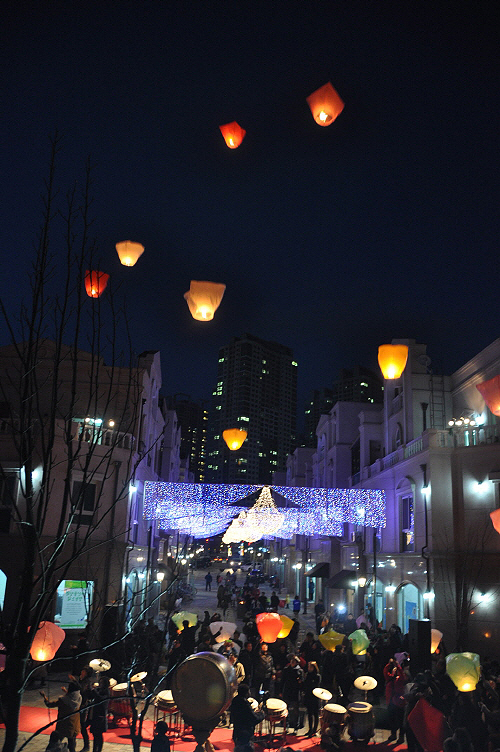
x=129, y=252
x=203, y=299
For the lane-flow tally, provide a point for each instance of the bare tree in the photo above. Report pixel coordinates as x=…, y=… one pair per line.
x=71, y=412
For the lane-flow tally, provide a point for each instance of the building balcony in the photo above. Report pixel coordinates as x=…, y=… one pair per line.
x=99, y=435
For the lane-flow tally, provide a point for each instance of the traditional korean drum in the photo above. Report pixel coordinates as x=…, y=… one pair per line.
x=119, y=690
x=164, y=701
x=276, y=709
x=332, y=713
x=360, y=721
x=203, y=687
x=120, y=705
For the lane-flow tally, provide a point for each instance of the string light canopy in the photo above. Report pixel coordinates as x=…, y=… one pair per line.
x=95, y=283
x=264, y=515
x=47, y=641
x=490, y=392
x=129, y=252
x=233, y=134
x=203, y=299
x=242, y=529
x=392, y=360
x=206, y=509
x=325, y=104
x=234, y=437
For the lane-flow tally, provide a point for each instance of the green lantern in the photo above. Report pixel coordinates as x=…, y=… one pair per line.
x=359, y=641
x=464, y=670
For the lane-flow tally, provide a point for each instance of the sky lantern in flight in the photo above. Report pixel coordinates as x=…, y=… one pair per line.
x=436, y=637
x=234, y=437
x=464, y=670
x=392, y=360
x=233, y=134
x=269, y=626
x=47, y=641
x=495, y=518
x=129, y=252
x=325, y=104
x=203, y=299
x=95, y=283
x=490, y=392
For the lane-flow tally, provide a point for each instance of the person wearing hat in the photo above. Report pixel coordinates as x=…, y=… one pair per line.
x=68, y=713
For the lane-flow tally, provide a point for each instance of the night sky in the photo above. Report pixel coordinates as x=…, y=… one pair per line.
x=330, y=240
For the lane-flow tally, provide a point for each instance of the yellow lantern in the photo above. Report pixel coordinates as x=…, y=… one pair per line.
x=359, y=641
x=129, y=252
x=392, y=360
x=464, y=670
x=47, y=641
x=325, y=104
x=286, y=628
x=203, y=299
x=436, y=637
x=183, y=616
x=331, y=639
x=234, y=437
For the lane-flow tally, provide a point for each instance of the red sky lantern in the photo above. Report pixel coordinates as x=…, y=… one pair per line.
x=269, y=626
x=495, y=518
x=47, y=641
x=325, y=104
x=233, y=134
x=490, y=392
x=95, y=283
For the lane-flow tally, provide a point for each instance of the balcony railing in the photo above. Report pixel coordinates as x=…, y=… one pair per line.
x=99, y=435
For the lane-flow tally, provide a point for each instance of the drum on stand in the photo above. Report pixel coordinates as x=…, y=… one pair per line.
x=276, y=713
x=332, y=713
x=164, y=704
x=120, y=704
x=360, y=721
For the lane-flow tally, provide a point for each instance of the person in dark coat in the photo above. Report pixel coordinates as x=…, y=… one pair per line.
x=188, y=637
x=311, y=681
x=290, y=689
x=99, y=700
x=68, y=715
x=243, y=718
x=263, y=670
x=161, y=742
x=246, y=658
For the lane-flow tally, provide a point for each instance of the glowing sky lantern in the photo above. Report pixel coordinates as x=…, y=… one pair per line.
x=286, y=627
x=95, y=283
x=359, y=641
x=464, y=670
x=325, y=104
x=495, y=518
x=203, y=299
x=47, y=641
x=234, y=437
x=392, y=360
x=490, y=392
x=436, y=637
x=182, y=616
x=269, y=626
x=233, y=134
x=129, y=252
x=331, y=639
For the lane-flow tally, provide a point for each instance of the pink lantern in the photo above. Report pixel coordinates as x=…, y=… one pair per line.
x=269, y=626
x=47, y=641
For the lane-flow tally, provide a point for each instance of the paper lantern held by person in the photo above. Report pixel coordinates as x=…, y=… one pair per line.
x=392, y=360
x=269, y=626
x=286, y=627
x=95, y=283
x=436, y=637
x=129, y=252
x=359, y=642
x=203, y=299
x=233, y=134
x=490, y=392
x=47, y=641
x=331, y=639
x=464, y=670
x=325, y=104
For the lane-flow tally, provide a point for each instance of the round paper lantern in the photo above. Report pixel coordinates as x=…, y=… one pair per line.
x=359, y=641
x=490, y=392
x=331, y=639
x=464, y=670
x=325, y=104
x=129, y=252
x=95, y=283
x=269, y=626
x=436, y=637
x=233, y=134
x=47, y=641
x=392, y=360
x=495, y=518
x=203, y=299
x=234, y=437
x=286, y=626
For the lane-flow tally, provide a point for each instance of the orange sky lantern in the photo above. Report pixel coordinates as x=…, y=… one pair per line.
x=325, y=104
x=129, y=252
x=490, y=392
x=495, y=518
x=233, y=134
x=269, y=626
x=95, y=283
x=203, y=299
x=234, y=437
x=47, y=641
x=392, y=360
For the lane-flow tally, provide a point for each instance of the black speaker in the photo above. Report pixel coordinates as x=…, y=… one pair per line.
x=419, y=638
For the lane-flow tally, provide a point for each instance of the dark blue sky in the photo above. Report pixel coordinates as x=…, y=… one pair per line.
x=330, y=240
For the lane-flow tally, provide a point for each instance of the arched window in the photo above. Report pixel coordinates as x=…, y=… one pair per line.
x=3, y=585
